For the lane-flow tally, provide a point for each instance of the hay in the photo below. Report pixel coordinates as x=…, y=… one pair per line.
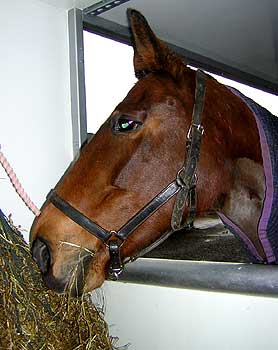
x=34, y=318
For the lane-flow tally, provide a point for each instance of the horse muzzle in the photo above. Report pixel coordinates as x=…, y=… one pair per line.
x=73, y=280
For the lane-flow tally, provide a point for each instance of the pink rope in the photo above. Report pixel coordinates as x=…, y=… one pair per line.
x=17, y=185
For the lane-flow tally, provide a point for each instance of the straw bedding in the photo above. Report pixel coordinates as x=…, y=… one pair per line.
x=32, y=317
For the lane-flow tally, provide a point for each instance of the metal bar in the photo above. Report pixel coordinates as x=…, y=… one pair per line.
x=102, y=6
x=77, y=79
x=106, y=28
x=240, y=278
x=121, y=33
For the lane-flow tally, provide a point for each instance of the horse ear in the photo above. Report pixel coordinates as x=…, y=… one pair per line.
x=150, y=53
x=147, y=47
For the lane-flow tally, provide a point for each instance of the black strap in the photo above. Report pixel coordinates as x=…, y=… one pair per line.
x=116, y=265
x=149, y=248
x=143, y=214
x=78, y=217
x=187, y=174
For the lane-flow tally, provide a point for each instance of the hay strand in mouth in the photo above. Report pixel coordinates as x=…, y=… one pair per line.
x=34, y=318
x=79, y=247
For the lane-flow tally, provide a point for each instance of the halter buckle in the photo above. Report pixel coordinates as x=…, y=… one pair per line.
x=199, y=128
x=179, y=179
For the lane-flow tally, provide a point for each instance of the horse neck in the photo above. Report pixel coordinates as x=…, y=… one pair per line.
x=229, y=121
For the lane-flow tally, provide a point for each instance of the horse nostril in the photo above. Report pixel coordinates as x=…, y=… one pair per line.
x=41, y=255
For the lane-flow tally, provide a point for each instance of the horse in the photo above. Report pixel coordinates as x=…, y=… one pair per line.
x=111, y=203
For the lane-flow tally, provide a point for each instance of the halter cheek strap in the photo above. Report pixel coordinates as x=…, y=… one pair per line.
x=184, y=186
x=188, y=172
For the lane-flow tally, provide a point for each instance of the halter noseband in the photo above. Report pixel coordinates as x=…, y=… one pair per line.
x=184, y=186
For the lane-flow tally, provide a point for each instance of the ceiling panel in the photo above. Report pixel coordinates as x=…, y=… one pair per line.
x=239, y=34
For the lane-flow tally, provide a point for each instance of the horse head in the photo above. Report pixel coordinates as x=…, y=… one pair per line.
x=137, y=152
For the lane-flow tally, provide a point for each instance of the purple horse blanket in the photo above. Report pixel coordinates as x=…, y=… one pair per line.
x=267, y=125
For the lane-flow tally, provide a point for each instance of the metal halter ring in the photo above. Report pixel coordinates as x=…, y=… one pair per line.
x=179, y=180
x=199, y=128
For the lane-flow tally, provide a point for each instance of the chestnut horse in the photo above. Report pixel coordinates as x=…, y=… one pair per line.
x=136, y=153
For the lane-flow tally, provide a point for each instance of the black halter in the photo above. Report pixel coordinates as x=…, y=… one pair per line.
x=184, y=186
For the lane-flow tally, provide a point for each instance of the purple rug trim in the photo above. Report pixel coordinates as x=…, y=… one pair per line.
x=267, y=207
x=236, y=230
x=268, y=200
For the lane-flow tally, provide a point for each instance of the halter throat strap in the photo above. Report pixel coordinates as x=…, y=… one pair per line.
x=184, y=186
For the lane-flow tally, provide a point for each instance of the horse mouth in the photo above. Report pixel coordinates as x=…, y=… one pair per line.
x=74, y=281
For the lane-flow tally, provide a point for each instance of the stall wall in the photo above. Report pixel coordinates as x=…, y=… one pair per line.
x=159, y=318
x=35, y=128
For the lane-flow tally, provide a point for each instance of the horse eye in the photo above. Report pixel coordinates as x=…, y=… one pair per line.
x=123, y=125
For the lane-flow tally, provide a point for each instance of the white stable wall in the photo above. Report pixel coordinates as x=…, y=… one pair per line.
x=159, y=318
x=35, y=119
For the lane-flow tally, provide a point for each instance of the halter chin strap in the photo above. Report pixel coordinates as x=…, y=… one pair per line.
x=184, y=186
